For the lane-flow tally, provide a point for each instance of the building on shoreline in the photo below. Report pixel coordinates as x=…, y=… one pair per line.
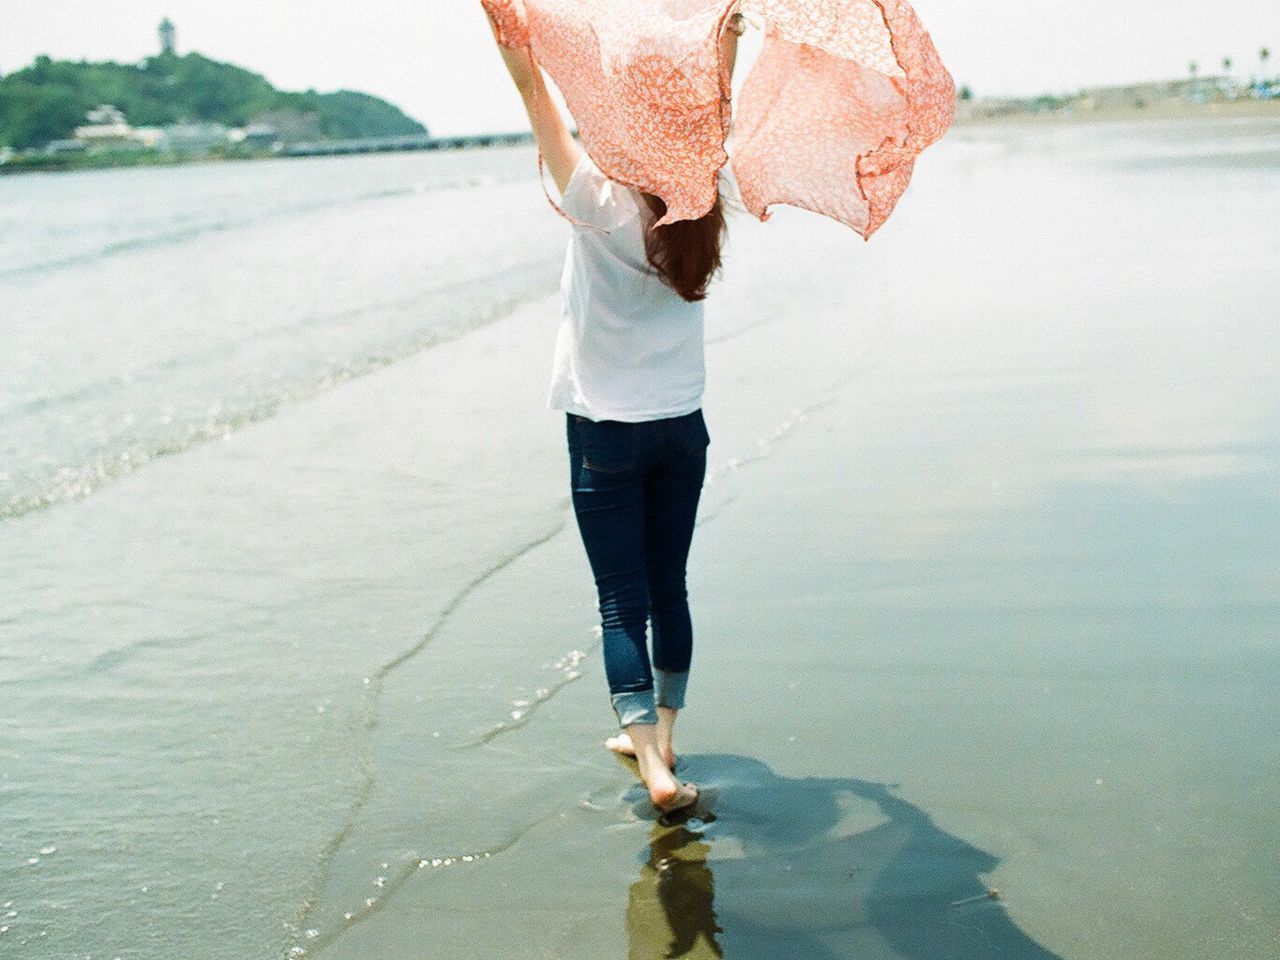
x=107, y=129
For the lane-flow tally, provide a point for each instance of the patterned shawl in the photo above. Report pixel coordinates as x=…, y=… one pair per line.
x=843, y=98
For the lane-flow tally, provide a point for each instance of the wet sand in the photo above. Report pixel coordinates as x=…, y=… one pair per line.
x=984, y=595
x=983, y=602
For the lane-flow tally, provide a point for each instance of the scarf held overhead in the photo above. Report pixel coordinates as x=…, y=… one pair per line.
x=843, y=98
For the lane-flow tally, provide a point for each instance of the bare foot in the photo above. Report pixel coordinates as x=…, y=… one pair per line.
x=663, y=732
x=621, y=744
x=677, y=797
x=667, y=794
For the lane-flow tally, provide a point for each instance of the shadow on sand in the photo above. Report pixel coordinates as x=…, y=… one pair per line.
x=782, y=869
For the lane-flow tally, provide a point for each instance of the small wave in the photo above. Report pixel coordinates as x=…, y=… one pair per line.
x=367, y=721
x=765, y=444
x=311, y=940
x=163, y=238
x=79, y=480
x=448, y=293
x=103, y=662
x=523, y=709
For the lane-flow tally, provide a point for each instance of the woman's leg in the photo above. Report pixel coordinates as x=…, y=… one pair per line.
x=672, y=491
x=608, y=501
x=609, y=462
x=671, y=496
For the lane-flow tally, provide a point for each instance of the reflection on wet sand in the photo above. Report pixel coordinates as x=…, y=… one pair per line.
x=671, y=908
x=769, y=867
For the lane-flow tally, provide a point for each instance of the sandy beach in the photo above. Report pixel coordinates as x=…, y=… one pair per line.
x=986, y=658
x=1163, y=110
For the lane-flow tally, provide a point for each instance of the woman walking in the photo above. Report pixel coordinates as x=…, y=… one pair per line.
x=628, y=373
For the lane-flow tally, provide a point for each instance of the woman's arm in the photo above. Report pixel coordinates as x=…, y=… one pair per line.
x=735, y=28
x=559, y=150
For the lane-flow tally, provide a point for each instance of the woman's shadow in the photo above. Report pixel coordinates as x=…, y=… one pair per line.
x=776, y=868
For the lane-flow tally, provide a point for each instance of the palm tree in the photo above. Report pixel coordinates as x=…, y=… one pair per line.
x=1193, y=68
x=1226, y=65
x=1264, y=55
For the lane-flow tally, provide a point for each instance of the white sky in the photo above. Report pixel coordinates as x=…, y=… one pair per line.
x=434, y=58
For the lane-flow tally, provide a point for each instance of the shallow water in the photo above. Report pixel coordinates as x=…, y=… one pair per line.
x=984, y=585
x=150, y=310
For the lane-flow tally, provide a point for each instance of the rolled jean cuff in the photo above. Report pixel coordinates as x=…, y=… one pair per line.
x=634, y=706
x=670, y=688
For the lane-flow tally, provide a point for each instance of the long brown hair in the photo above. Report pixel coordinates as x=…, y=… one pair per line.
x=686, y=253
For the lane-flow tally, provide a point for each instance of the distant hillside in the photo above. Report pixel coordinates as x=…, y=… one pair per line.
x=48, y=99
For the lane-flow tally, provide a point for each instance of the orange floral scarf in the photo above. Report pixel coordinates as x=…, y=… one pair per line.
x=843, y=98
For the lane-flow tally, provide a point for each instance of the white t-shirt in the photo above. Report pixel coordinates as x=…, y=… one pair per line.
x=629, y=347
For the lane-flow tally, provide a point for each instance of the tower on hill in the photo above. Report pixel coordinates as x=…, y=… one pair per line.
x=168, y=37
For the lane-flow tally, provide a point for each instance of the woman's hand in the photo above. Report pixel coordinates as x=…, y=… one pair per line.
x=734, y=28
x=556, y=143
x=519, y=62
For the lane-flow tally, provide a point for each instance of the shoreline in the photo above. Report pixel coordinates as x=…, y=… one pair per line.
x=130, y=161
x=965, y=119
x=1164, y=110
x=76, y=162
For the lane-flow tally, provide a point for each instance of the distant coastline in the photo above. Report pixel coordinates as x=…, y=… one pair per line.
x=171, y=109
x=1159, y=100
x=119, y=158
x=177, y=108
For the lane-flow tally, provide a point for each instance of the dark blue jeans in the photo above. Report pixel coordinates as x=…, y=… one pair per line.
x=635, y=494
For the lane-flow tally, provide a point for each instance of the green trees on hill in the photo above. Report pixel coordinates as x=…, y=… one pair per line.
x=48, y=99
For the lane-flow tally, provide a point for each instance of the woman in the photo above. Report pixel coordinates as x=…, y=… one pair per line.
x=629, y=374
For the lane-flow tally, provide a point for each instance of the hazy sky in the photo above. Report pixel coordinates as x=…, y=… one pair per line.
x=434, y=58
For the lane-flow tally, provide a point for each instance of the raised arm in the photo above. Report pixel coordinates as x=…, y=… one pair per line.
x=559, y=150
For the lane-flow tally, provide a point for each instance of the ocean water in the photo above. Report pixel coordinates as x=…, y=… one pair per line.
x=297, y=648
x=146, y=311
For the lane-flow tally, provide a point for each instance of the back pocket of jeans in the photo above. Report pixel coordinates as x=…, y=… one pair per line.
x=608, y=446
